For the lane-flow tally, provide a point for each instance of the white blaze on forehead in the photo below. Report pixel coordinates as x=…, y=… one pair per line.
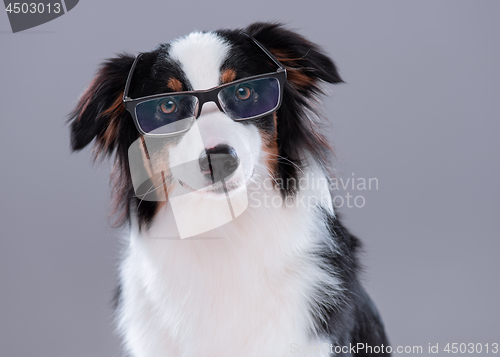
x=201, y=56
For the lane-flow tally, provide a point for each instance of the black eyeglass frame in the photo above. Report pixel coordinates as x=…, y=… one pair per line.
x=205, y=95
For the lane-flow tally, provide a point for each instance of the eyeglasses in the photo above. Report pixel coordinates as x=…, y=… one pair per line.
x=174, y=113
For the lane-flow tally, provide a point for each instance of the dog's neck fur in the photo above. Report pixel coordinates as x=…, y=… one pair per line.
x=248, y=291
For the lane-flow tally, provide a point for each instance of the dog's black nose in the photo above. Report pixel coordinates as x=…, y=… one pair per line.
x=220, y=161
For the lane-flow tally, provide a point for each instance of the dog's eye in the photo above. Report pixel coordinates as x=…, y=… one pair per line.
x=243, y=93
x=167, y=106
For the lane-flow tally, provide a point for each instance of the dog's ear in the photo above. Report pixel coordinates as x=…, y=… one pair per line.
x=304, y=61
x=100, y=110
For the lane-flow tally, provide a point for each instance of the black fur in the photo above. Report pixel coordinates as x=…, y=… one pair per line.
x=355, y=318
x=101, y=117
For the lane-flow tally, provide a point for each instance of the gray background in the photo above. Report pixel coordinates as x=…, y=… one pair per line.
x=419, y=112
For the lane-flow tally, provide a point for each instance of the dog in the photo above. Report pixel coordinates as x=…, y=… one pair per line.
x=221, y=177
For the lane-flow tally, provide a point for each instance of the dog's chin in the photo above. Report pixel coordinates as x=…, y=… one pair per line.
x=219, y=189
x=204, y=186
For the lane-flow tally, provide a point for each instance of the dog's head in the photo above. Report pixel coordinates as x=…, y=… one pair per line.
x=218, y=134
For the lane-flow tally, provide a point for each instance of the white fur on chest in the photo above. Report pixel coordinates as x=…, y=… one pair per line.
x=248, y=292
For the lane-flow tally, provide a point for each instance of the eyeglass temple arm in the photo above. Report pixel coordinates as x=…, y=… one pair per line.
x=129, y=78
x=266, y=51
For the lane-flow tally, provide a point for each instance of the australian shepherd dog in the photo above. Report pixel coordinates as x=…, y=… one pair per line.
x=221, y=179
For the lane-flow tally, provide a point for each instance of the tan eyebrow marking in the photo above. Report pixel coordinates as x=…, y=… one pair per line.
x=174, y=84
x=228, y=75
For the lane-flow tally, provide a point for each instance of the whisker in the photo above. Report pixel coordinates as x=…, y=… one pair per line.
x=149, y=191
x=267, y=172
x=291, y=162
